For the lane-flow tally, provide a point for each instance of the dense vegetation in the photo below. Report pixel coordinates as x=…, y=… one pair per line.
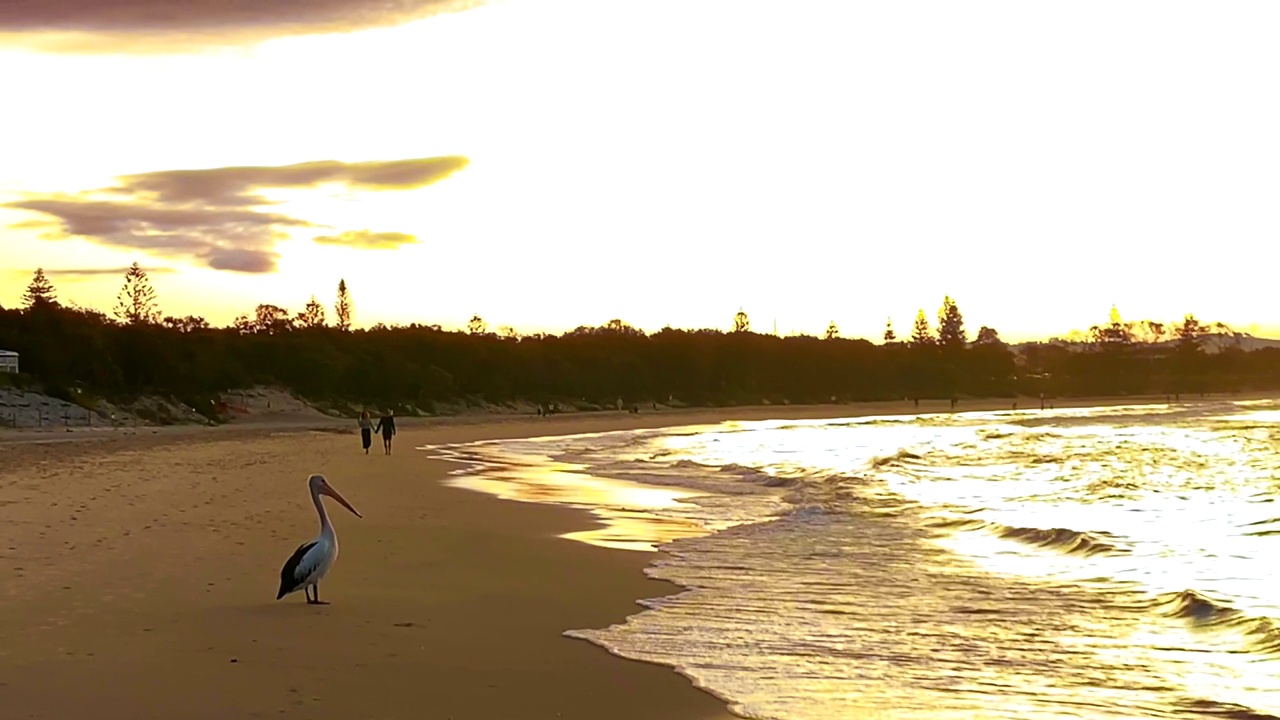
x=137, y=351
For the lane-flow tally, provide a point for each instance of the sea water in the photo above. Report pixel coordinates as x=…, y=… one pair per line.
x=1088, y=563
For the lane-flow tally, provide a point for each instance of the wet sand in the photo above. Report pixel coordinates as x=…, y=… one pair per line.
x=139, y=576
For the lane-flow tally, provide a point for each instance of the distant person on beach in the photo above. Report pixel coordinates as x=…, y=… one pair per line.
x=387, y=426
x=366, y=430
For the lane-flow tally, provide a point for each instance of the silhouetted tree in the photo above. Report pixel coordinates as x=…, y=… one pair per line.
x=312, y=315
x=741, y=323
x=1190, y=332
x=508, y=332
x=1188, y=360
x=1226, y=337
x=1152, y=331
x=987, y=336
x=921, y=333
x=418, y=365
x=136, y=301
x=187, y=324
x=618, y=327
x=343, y=308
x=477, y=326
x=40, y=293
x=951, y=333
x=889, y=335
x=993, y=367
x=271, y=319
x=833, y=332
x=1116, y=331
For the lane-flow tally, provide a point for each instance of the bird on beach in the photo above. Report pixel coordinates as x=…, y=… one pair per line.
x=309, y=563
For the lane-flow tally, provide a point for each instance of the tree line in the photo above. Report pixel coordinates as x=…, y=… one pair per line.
x=73, y=351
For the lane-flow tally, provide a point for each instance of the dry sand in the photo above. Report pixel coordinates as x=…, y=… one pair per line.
x=140, y=567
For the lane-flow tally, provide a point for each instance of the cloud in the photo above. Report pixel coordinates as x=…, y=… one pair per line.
x=221, y=238
x=215, y=217
x=234, y=186
x=93, y=26
x=367, y=239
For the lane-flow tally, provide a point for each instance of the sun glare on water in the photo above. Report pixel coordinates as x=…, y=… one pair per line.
x=1105, y=563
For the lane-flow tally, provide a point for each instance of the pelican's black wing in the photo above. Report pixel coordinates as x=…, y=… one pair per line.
x=289, y=579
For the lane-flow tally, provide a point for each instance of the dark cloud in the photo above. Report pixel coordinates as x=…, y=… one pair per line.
x=234, y=186
x=215, y=216
x=368, y=239
x=221, y=238
x=177, y=25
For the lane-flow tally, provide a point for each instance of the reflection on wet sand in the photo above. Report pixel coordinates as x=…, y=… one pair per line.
x=624, y=508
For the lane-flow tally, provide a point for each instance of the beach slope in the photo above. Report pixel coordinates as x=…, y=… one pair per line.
x=140, y=577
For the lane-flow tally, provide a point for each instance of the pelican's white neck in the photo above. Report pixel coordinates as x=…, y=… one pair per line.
x=326, y=528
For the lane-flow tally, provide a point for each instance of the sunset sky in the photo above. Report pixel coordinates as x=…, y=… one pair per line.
x=551, y=163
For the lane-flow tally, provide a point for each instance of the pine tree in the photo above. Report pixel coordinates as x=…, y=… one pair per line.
x=889, y=335
x=741, y=323
x=951, y=333
x=476, y=325
x=136, y=302
x=1190, y=332
x=343, y=308
x=921, y=333
x=833, y=332
x=40, y=293
x=312, y=315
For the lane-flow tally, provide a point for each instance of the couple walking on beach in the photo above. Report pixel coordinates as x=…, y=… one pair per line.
x=386, y=426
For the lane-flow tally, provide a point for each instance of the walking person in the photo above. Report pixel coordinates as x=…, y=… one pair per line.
x=366, y=430
x=387, y=426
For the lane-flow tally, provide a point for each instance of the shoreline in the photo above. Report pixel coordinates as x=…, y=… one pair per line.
x=140, y=583
x=152, y=556
x=302, y=422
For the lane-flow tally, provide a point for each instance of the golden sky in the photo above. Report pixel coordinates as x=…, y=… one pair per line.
x=551, y=163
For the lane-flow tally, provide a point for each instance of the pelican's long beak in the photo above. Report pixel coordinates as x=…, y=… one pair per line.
x=327, y=490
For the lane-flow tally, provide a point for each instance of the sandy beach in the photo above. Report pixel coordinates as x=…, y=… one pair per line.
x=140, y=570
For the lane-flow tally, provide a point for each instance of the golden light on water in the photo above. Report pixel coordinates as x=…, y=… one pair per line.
x=624, y=508
x=1104, y=563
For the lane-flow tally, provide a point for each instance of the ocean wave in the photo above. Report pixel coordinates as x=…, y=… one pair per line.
x=995, y=434
x=1064, y=540
x=897, y=458
x=1222, y=711
x=1267, y=532
x=1072, y=542
x=815, y=553
x=1260, y=634
x=1191, y=605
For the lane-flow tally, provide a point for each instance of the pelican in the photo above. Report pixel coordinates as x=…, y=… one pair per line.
x=312, y=560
